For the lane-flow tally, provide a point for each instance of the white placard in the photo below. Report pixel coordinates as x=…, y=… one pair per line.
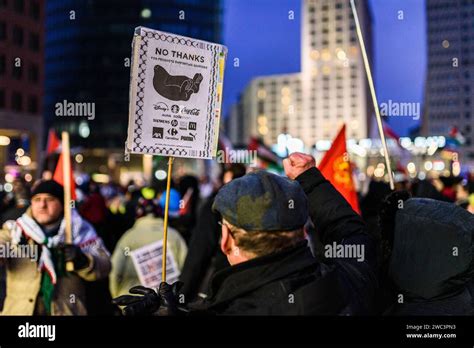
x=148, y=261
x=175, y=95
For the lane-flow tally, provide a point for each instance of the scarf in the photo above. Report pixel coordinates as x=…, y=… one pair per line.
x=83, y=235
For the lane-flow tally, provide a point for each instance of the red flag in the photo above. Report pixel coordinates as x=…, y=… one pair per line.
x=336, y=168
x=53, y=142
x=59, y=176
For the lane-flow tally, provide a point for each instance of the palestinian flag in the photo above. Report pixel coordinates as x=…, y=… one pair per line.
x=455, y=138
x=267, y=159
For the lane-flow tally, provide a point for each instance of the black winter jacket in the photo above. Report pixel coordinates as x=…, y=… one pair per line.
x=293, y=282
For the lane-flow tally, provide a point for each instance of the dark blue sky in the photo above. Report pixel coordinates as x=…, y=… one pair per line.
x=260, y=35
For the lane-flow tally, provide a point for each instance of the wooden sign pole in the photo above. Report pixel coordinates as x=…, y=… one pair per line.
x=165, y=226
x=66, y=155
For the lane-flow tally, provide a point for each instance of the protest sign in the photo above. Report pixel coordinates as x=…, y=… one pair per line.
x=175, y=95
x=148, y=265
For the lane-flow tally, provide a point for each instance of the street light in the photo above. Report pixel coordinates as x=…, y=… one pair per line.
x=4, y=140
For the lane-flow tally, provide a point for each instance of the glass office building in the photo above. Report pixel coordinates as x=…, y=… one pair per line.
x=88, y=47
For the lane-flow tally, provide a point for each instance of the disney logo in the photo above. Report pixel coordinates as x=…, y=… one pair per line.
x=161, y=106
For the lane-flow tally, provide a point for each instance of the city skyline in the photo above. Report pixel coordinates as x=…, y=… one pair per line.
x=330, y=90
x=393, y=32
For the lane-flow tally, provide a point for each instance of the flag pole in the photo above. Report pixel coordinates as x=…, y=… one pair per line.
x=165, y=225
x=374, y=96
x=67, y=193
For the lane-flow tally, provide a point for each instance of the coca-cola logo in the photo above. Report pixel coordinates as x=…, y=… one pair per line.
x=187, y=111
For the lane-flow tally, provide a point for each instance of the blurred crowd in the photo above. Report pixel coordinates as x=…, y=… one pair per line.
x=125, y=218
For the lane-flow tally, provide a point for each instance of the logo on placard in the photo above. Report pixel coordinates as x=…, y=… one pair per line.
x=158, y=120
x=175, y=109
x=174, y=123
x=172, y=131
x=157, y=133
x=183, y=125
x=160, y=106
x=190, y=137
x=192, y=125
x=187, y=111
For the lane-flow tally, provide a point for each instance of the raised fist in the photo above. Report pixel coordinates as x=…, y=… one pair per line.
x=297, y=163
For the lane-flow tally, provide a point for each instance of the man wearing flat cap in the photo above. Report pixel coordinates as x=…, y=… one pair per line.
x=37, y=281
x=273, y=271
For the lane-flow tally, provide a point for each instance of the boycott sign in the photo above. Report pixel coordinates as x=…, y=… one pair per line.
x=147, y=261
x=175, y=95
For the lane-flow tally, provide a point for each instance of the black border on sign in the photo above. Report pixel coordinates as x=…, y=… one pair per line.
x=140, y=94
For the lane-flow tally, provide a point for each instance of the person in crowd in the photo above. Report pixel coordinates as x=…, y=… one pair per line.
x=188, y=188
x=148, y=229
x=37, y=280
x=465, y=196
x=119, y=216
x=429, y=189
x=205, y=256
x=272, y=269
x=21, y=201
x=429, y=263
x=93, y=208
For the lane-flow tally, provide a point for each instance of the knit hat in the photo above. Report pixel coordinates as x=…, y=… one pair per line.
x=50, y=187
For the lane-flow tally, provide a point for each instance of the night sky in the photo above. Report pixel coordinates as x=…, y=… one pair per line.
x=260, y=35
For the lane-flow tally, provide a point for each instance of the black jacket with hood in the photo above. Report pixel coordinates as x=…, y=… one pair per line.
x=432, y=266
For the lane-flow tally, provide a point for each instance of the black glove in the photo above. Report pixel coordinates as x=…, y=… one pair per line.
x=169, y=295
x=139, y=305
x=74, y=253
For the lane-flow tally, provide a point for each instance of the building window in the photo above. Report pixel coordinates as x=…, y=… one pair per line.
x=33, y=104
x=34, y=10
x=16, y=101
x=19, y=6
x=3, y=66
x=3, y=31
x=17, y=71
x=2, y=99
x=34, y=42
x=18, y=36
x=33, y=73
